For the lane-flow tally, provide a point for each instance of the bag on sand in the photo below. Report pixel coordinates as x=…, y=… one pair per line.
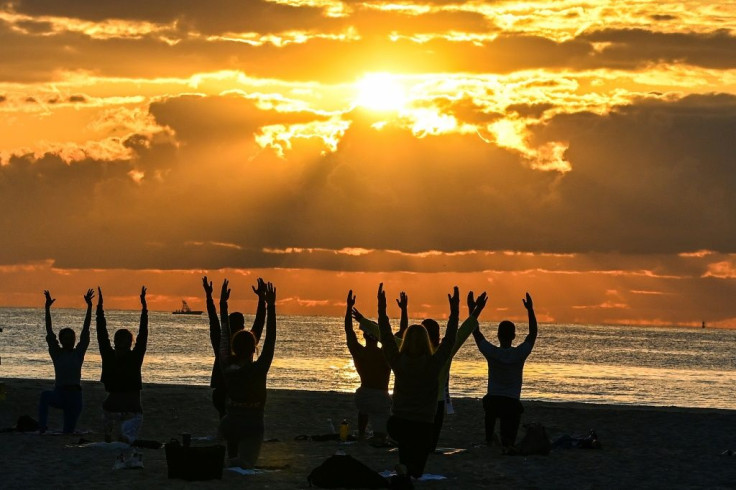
x=344, y=471
x=194, y=463
x=535, y=441
x=26, y=424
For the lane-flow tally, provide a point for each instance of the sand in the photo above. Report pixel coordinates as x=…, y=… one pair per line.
x=643, y=447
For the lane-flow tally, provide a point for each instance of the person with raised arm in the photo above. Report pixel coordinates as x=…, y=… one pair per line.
x=237, y=323
x=505, y=375
x=371, y=398
x=444, y=404
x=245, y=380
x=68, y=360
x=416, y=370
x=121, y=374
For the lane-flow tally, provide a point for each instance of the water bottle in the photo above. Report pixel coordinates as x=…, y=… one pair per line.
x=344, y=430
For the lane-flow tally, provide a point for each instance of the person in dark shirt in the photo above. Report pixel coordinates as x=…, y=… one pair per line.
x=237, y=323
x=371, y=398
x=68, y=360
x=245, y=380
x=121, y=374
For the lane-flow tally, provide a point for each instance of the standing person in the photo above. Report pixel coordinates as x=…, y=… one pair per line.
x=121, y=374
x=245, y=380
x=68, y=360
x=237, y=323
x=505, y=374
x=371, y=398
x=416, y=371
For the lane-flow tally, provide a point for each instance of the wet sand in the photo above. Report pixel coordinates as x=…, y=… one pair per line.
x=642, y=447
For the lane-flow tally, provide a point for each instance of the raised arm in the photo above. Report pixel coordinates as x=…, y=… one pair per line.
x=352, y=339
x=403, y=302
x=471, y=323
x=448, y=341
x=50, y=335
x=224, y=324
x=529, y=305
x=84, y=336
x=269, y=345
x=260, y=319
x=141, y=341
x=212, y=315
x=390, y=349
x=103, y=339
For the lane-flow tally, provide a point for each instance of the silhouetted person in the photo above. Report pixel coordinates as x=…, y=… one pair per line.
x=68, y=360
x=433, y=331
x=121, y=374
x=237, y=323
x=245, y=380
x=505, y=374
x=416, y=371
x=372, y=398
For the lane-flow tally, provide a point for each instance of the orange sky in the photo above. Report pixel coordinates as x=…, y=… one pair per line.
x=580, y=151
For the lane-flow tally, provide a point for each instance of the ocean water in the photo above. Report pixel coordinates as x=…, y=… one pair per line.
x=582, y=363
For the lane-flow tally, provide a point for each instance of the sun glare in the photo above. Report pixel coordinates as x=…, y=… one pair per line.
x=380, y=92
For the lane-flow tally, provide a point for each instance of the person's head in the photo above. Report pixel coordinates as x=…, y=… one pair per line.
x=416, y=342
x=244, y=344
x=237, y=321
x=370, y=340
x=67, y=337
x=123, y=339
x=433, y=330
x=506, y=332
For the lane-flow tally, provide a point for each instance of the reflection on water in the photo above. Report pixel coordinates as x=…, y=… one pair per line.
x=585, y=363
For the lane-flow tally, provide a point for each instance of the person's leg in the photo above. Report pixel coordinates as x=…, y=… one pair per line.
x=439, y=418
x=490, y=418
x=109, y=421
x=249, y=448
x=397, y=429
x=510, y=418
x=419, y=444
x=219, y=400
x=72, y=410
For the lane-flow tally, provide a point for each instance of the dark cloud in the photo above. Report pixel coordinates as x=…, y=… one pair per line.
x=77, y=98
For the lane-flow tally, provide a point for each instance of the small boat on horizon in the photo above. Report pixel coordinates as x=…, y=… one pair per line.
x=186, y=310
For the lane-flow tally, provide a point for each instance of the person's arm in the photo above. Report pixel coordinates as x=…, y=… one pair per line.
x=532, y=337
x=224, y=324
x=260, y=319
x=269, y=345
x=350, y=337
x=84, y=336
x=141, y=341
x=448, y=341
x=475, y=307
x=403, y=302
x=212, y=315
x=51, y=340
x=103, y=339
x=390, y=349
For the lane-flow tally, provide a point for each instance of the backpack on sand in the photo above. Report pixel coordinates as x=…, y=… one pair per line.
x=344, y=471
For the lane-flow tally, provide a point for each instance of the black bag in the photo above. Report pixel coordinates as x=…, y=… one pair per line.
x=194, y=463
x=26, y=424
x=344, y=471
x=535, y=441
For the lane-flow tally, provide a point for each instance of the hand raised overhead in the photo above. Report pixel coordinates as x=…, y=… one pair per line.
x=99, y=297
x=357, y=316
x=454, y=300
x=49, y=299
x=270, y=294
x=260, y=290
x=207, y=287
x=381, y=299
x=528, y=302
x=143, y=296
x=403, y=300
x=480, y=303
x=351, y=300
x=88, y=297
x=225, y=291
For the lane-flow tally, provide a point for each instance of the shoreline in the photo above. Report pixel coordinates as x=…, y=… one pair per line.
x=642, y=446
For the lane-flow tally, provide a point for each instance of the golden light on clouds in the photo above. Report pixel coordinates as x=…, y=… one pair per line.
x=509, y=144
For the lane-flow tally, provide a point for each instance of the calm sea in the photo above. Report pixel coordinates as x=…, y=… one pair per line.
x=582, y=363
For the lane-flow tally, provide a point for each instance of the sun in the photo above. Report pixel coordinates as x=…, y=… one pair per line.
x=381, y=92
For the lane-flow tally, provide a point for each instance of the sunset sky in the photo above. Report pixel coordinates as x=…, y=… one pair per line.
x=584, y=151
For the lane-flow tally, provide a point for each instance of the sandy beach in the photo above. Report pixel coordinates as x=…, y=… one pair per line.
x=643, y=447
